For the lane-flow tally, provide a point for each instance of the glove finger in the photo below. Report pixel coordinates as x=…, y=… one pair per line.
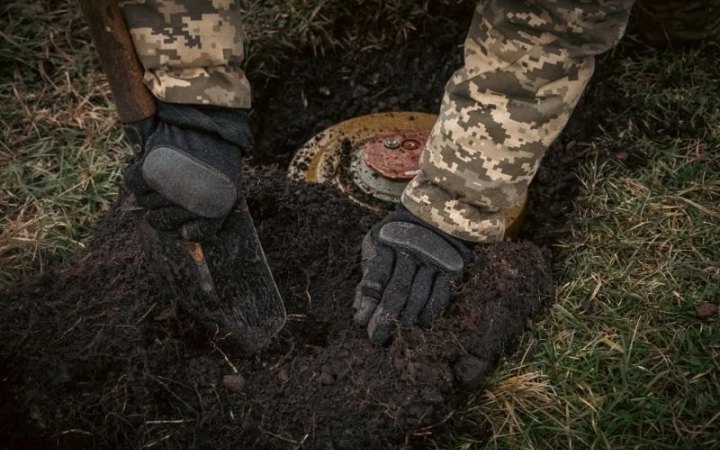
x=376, y=273
x=168, y=219
x=135, y=181
x=395, y=296
x=200, y=229
x=419, y=295
x=439, y=299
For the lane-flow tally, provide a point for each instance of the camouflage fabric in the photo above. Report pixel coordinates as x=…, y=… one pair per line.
x=526, y=65
x=191, y=50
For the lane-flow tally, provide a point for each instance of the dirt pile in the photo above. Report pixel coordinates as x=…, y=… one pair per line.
x=95, y=356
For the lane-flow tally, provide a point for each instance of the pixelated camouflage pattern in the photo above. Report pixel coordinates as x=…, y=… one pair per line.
x=191, y=50
x=526, y=65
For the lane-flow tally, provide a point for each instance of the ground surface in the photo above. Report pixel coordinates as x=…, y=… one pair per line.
x=98, y=357
x=132, y=371
x=624, y=208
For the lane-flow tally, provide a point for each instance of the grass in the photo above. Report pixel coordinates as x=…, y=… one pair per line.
x=622, y=360
x=60, y=150
x=275, y=30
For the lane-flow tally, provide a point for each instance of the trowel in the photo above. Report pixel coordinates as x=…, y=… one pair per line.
x=225, y=283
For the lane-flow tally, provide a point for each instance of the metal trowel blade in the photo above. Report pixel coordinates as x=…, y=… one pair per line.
x=244, y=310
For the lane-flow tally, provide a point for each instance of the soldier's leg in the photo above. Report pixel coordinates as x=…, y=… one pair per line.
x=191, y=50
x=526, y=65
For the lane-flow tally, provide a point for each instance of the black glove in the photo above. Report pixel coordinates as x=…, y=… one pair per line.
x=408, y=266
x=188, y=175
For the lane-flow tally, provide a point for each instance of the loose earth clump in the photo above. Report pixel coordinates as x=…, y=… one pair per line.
x=96, y=356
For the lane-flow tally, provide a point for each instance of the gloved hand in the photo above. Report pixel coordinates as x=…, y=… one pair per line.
x=188, y=175
x=408, y=266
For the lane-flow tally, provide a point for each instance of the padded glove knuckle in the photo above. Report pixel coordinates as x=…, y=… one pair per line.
x=189, y=183
x=423, y=244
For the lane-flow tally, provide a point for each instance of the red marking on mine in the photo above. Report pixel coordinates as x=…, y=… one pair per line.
x=395, y=155
x=411, y=144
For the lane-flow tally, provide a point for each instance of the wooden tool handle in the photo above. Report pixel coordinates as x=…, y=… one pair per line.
x=125, y=74
x=118, y=58
x=197, y=254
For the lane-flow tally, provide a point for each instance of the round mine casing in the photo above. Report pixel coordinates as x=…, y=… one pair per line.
x=372, y=158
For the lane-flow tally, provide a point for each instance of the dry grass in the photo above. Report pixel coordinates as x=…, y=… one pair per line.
x=60, y=150
x=624, y=360
x=277, y=30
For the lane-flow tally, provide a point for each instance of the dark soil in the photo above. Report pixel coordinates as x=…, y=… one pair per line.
x=317, y=92
x=95, y=355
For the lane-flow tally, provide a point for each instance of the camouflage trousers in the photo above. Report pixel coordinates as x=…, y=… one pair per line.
x=191, y=50
x=526, y=64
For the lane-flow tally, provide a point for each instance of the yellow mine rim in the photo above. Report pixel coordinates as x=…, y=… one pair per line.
x=318, y=160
